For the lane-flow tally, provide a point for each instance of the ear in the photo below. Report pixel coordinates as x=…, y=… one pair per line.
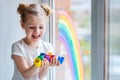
x=22, y=24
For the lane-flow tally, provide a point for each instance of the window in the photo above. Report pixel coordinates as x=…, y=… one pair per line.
x=73, y=39
x=114, y=39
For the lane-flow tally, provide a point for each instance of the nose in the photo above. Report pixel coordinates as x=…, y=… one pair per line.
x=37, y=30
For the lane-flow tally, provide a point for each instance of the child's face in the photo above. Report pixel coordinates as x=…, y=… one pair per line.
x=34, y=27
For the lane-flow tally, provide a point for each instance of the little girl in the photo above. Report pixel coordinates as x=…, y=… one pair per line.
x=24, y=51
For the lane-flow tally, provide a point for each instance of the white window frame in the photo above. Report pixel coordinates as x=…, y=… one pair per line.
x=50, y=37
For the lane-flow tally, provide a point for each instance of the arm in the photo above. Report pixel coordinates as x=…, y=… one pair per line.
x=24, y=69
x=44, y=69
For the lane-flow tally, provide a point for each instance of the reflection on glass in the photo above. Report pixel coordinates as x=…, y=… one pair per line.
x=114, y=40
x=73, y=39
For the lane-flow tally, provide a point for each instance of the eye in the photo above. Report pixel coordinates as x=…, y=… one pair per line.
x=41, y=27
x=32, y=27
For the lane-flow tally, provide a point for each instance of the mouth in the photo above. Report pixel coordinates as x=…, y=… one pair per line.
x=35, y=36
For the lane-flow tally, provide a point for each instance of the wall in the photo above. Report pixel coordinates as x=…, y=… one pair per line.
x=10, y=31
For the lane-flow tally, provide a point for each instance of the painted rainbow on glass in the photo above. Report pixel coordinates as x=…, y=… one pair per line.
x=68, y=36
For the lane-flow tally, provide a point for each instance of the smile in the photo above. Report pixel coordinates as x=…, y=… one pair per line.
x=35, y=37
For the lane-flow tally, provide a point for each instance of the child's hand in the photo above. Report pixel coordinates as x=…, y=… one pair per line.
x=54, y=62
x=44, y=68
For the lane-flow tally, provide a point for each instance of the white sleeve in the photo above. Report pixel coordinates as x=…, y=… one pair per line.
x=16, y=50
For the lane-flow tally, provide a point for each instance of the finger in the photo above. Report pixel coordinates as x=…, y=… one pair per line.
x=43, y=63
x=58, y=63
x=51, y=62
x=54, y=61
x=46, y=62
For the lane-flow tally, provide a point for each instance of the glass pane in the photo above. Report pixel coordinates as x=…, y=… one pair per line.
x=114, y=38
x=73, y=39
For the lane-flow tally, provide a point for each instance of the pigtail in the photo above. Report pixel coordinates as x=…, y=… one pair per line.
x=47, y=9
x=22, y=7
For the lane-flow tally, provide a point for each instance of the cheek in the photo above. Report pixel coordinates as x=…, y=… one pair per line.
x=43, y=31
x=28, y=32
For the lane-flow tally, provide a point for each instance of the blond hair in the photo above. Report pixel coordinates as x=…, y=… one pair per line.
x=34, y=9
